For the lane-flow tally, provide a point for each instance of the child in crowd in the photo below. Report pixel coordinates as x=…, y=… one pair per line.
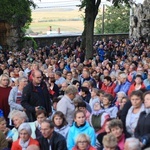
x=61, y=125
x=82, y=106
x=80, y=125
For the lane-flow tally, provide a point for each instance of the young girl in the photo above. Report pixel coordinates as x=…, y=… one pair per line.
x=80, y=125
x=61, y=125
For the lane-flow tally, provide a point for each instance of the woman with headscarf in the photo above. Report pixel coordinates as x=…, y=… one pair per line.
x=25, y=138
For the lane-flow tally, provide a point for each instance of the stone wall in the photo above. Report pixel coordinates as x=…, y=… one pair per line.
x=48, y=40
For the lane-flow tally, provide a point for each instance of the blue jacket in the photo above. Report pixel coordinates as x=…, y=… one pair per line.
x=122, y=87
x=75, y=131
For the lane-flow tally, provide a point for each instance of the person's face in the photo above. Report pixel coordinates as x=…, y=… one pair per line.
x=117, y=132
x=105, y=101
x=138, y=80
x=46, y=130
x=41, y=118
x=106, y=82
x=93, y=94
x=58, y=120
x=82, y=109
x=101, y=96
x=80, y=118
x=24, y=136
x=69, y=76
x=147, y=101
x=82, y=144
x=122, y=103
x=136, y=101
x=23, y=82
x=17, y=121
x=37, y=78
x=97, y=106
x=5, y=81
x=107, y=130
x=3, y=125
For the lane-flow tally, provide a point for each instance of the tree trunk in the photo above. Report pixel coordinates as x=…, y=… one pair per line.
x=91, y=12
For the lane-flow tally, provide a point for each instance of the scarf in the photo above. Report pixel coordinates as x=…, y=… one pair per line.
x=23, y=144
x=130, y=128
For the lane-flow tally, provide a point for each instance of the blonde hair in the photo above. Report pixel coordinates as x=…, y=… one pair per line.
x=109, y=140
x=4, y=75
x=84, y=137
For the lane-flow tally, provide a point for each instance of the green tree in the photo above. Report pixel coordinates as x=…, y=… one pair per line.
x=17, y=13
x=116, y=20
x=91, y=8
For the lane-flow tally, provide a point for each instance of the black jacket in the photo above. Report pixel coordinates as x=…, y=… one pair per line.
x=33, y=96
x=142, y=130
x=58, y=142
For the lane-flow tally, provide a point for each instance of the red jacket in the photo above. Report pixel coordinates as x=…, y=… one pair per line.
x=16, y=146
x=109, y=89
x=132, y=88
x=90, y=148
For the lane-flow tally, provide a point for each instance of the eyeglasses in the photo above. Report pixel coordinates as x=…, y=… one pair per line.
x=82, y=142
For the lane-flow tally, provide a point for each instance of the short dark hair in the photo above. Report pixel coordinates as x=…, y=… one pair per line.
x=41, y=111
x=109, y=97
x=51, y=124
x=115, y=123
x=74, y=82
x=82, y=104
x=84, y=89
x=137, y=93
x=108, y=78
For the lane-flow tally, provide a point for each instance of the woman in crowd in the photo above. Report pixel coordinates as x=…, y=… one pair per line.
x=137, y=85
x=19, y=117
x=98, y=118
x=142, y=130
x=83, y=142
x=108, y=106
x=116, y=128
x=133, y=114
x=4, y=93
x=80, y=126
x=61, y=125
x=16, y=94
x=24, y=138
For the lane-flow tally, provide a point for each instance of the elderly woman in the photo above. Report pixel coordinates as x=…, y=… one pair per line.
x=25, y=138
x=19, y=117
x=83, y=142
x=15, y=95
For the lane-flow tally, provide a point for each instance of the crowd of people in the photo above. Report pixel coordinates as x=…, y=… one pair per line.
x=53, y=98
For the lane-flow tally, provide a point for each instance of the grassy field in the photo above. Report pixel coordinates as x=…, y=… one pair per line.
x=68, y=20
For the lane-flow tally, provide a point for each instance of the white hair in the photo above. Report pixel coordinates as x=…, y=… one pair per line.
x=133, y=143
x=123, y=75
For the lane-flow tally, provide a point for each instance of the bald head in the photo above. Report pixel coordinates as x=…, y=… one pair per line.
x=33, y=147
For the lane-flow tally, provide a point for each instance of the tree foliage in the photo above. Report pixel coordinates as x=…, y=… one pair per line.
x=16, y=12
x=91, y=10
x=116, y=20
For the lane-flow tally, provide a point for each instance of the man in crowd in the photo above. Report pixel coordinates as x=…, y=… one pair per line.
x=36, y=96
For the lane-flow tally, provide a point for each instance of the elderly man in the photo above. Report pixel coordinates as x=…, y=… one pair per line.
x=36, y=96
x=50, y=139
x=123, y=84
x=132, y=144
x=66, y=104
